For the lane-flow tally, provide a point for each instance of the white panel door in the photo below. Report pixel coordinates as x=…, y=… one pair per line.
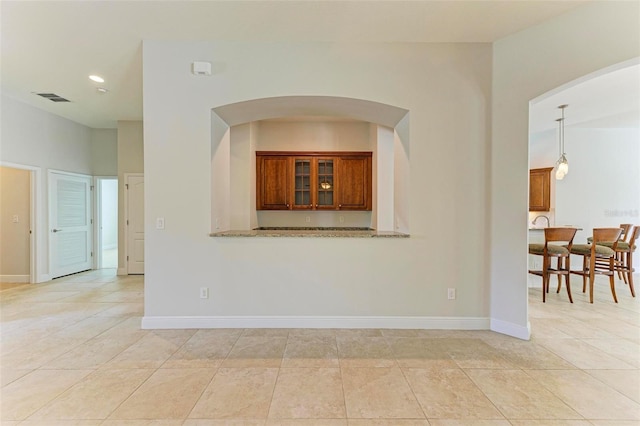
x=70, y=223
x=135, y=224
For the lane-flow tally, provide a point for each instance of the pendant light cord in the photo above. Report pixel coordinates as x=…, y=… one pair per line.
x=562, y=127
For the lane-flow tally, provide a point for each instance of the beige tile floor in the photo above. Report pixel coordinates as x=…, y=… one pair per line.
x=72, y=353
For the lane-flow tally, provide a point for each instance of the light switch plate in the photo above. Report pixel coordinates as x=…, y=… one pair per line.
x=204, y=292
x=160, y=223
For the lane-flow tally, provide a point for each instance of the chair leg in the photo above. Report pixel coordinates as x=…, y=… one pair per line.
x=559, y=275
x=545, y=279
x=592, y=267
x=629, y=265
x=612, y=280
x=584, y=274
x=546, y=271
x=569, y=289
x=621, y=275
x=568, y=278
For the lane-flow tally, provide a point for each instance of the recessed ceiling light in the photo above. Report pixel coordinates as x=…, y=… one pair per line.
x=96, y=78
x=102, y=90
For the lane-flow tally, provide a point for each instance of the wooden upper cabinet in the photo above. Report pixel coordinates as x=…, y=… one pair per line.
x=325, y=178
x=313, y=180
x=313, y=183
x=354, y=184
x=273, y=183
x=540, y=189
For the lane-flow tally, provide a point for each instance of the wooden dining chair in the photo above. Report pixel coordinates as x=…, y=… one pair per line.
x=626, y=232
x=598, y=259
x=626, y=228
x=560, y=252
x=623, y=262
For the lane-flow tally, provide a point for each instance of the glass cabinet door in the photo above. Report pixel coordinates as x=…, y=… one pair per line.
x=325, y=183
x=302, y=179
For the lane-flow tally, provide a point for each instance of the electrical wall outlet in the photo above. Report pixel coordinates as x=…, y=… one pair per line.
x=307, y=219
x=204, y=293
x=451, y=293
x=341, y=219
x=15, y=218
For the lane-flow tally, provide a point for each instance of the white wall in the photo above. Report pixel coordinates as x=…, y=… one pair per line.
x=34, y=137
x=104, y=152
x=454, y=214
x=602, y=188
x=525, y=66
x=41, y=140
x=446, y=88
x=384, y=178
x=313, y=135
x=242, y=171
x=130, y=160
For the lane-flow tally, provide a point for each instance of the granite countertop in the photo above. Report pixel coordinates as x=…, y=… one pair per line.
x=312, y=232
x=555, y=226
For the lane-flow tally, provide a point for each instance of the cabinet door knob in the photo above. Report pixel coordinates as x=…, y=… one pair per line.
x=287, y=204
x=339, y=206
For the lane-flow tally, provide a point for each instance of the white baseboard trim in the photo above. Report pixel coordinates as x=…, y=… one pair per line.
x=427, y=323
x=122, y=271
x=14, y=278
x=43, y=278
x=511, y=329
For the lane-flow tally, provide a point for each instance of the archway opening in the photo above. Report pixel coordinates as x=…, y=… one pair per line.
x=310, y=123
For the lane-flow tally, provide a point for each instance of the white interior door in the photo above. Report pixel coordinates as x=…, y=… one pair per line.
x=135, y=224
x=71, y=228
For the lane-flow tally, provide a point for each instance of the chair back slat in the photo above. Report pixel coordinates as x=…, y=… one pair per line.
x=607, y=235
x=634, y=236
x=560, y=234
x=626, y=227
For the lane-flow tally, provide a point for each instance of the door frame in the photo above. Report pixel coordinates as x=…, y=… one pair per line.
x=97, y=219
x=36, y=211
x=126, y=218
x=91, y=203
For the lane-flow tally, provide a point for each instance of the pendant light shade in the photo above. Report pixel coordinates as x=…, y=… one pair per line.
x=562, y=165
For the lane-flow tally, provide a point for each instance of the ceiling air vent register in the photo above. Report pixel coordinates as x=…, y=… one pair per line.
x=53, y=97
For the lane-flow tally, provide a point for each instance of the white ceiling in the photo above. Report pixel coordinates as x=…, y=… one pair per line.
x=609, y=99
x=52, y=46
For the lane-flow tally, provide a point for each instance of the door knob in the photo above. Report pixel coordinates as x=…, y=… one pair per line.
x=56, y=230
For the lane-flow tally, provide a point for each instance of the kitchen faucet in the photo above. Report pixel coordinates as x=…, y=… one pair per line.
x=533, y=222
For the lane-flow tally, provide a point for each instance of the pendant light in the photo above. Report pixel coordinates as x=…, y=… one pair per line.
x=562, y=165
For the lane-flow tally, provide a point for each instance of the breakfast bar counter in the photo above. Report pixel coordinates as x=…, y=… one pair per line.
x=311, y=232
